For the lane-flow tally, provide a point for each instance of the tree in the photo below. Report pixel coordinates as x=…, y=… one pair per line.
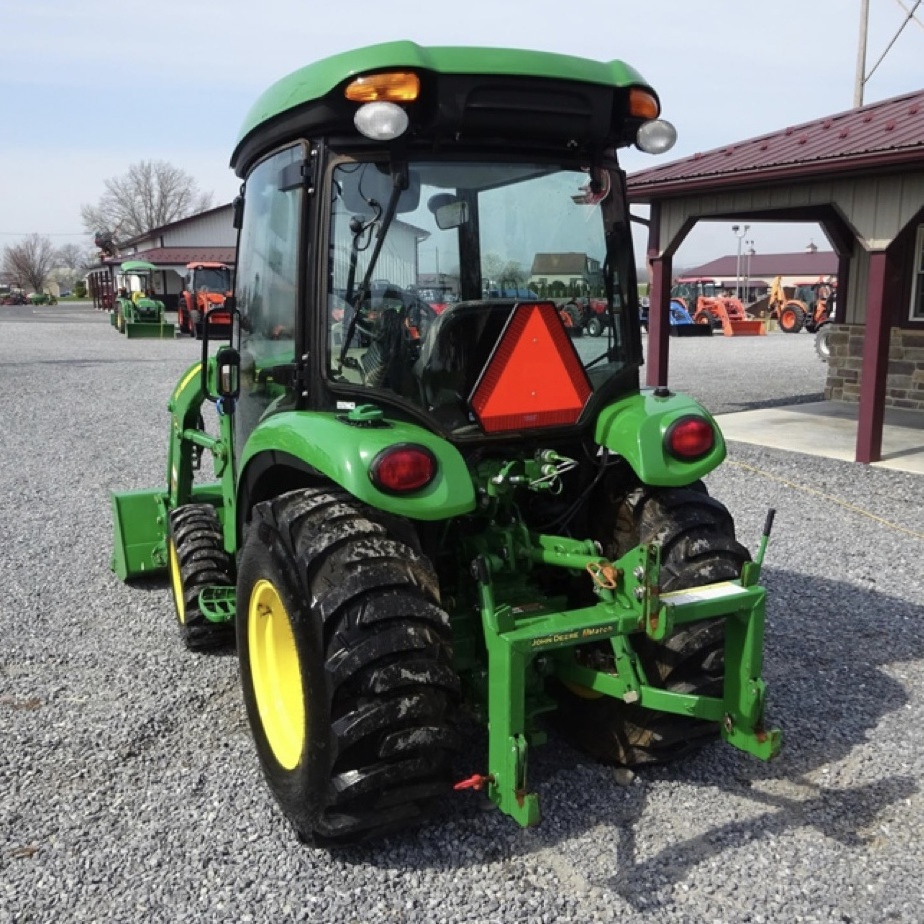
x=74, y=258
x=152, y=194
x=498, y=274
x=71, y=263
x=30, y=262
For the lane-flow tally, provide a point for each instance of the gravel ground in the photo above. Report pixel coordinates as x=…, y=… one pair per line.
x=130, y=790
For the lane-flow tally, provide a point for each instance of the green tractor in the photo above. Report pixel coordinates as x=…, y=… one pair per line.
x=136, y=312
x=418, y=518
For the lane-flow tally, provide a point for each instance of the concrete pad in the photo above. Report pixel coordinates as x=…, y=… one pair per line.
x=829, y=429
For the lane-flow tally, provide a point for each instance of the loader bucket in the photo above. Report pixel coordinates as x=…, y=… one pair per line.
x=691, y=330
x=744, y=328
x=139, y=520
x=138, y=329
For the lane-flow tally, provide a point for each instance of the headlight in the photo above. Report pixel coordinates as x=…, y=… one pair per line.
x=381, y=121
x=656, y=136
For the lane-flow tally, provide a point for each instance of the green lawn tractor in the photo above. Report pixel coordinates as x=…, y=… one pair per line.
x=136, y=312
x=420, y=518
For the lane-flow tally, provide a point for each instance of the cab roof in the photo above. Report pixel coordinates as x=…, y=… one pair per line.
x=313, y=82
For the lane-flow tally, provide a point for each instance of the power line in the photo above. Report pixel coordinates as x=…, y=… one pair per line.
x=862, y=75
x=46, y=233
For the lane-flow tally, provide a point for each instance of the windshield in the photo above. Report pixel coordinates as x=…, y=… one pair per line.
x=423, y=281
x=213, y=279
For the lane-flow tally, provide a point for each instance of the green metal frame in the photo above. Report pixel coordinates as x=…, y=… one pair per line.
x=544, y=642
x=528, y=638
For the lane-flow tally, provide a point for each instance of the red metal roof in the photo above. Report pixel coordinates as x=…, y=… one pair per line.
x=184, y=255
x=884, y=134
x=760, y=265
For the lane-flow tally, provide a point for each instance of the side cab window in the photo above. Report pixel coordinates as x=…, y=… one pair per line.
x=267, y=286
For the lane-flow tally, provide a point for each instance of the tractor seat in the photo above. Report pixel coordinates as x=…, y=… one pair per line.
x=455, y=350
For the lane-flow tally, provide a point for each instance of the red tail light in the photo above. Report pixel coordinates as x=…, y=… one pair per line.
x=402, y=469
x=689, y=438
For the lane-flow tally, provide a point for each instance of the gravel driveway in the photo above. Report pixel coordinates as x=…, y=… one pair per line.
x=130, y=789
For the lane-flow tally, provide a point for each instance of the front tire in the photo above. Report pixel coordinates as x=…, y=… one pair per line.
x=792, y=318
x=196, y=559
x=346, y=669
x=706, y=316
x=594, y=326
x=697, y=538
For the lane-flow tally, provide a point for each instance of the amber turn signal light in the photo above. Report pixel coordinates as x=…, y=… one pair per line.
x=391, y=87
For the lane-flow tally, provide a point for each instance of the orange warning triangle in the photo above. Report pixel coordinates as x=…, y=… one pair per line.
x=534, y=378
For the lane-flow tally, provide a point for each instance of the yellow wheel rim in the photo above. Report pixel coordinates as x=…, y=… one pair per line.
x=276, y=674
x=176, y=582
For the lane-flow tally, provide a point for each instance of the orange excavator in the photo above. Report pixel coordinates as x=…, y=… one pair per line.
x=810, y=305
x=205, y=289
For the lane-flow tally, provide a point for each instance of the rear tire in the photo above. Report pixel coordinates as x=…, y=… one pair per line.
x=698, y=546
x=823, y=342
x=346, y=667
x=792, y=318
x=196, y=560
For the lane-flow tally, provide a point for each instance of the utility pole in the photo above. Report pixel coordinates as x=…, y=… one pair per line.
x=740, y=234
x=861, y=55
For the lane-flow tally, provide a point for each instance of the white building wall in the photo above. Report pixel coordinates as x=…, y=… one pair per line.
x=211, y=230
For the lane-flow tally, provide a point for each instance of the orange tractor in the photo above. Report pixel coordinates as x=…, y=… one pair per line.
x=810, y=305
x=703, y=300
x=205, y=288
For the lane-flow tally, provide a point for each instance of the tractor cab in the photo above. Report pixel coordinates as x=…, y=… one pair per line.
x=334, y=316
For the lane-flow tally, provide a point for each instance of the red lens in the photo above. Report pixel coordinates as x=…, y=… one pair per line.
x=689, y=438
x=400, y=469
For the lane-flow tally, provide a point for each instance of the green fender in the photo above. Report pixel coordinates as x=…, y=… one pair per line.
x=634, y=428
x=344, y=453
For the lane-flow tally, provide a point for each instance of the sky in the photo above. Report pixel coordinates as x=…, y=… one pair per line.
x=89, y=88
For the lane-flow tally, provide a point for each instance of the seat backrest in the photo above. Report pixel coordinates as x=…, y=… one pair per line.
x=456, y=349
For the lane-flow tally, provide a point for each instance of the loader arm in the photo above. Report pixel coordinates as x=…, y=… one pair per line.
x=140, y=517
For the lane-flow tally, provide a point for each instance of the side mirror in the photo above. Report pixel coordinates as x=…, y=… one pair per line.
x=453, y=215
x=227, y=365
x=221, y=374
x=448, y=210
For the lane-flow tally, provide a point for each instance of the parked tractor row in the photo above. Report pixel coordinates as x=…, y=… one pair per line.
x=137, y=311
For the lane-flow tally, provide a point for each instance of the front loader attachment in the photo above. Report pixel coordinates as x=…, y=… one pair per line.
x=748, y=328
x=141, y=518
x=139, y=521
x=690, y=330
x=140, y=536
x=138, y=329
